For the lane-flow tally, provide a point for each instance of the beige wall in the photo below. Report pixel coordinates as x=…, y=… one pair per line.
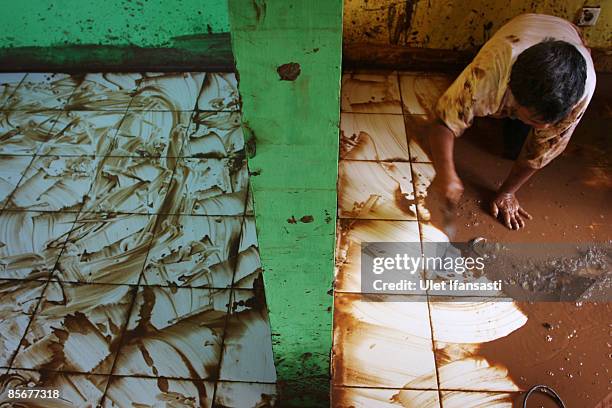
x=457, y=24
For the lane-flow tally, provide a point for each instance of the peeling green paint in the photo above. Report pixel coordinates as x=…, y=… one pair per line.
x=288, y=56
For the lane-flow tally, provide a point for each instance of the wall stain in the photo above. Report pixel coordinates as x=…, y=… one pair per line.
x=289, y=71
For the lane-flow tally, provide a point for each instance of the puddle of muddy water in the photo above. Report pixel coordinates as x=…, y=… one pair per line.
x=565, y=345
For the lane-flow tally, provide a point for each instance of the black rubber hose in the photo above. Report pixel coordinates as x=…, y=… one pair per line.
x=545, y=390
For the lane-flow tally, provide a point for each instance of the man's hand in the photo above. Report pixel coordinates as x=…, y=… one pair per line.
x=512, y=213
x=451, y=187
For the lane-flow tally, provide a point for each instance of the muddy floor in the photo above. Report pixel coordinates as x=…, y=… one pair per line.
x=565, y=345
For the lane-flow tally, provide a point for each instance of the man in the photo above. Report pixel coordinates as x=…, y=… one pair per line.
x=536, y=69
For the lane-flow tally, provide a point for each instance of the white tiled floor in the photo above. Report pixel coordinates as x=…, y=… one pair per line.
x=388, y=350
x=127, y=243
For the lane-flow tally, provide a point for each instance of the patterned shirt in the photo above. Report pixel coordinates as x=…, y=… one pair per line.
x=482, y=88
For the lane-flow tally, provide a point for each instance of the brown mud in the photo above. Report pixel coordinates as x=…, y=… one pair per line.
x=565, y=345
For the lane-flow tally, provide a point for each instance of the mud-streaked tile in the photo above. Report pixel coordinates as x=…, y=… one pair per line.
x=176, y=91
x=174, y=332
x=104, y=92
x=193, y=251
x=106, y=248
x=158, y=392
x=151, y=134
x=423, y=175
x=250, y=205
x=459, y=399
x=351, y=233
x=247, y=350
x=41, y=91
x=18, y=300
x=23, y=133
x=31, y=242
x=245, y=395
x=12, y=169
x=349, y=397
x=214, y=135
x=131, y=185
x=8, y=84
x=248, y=265
x=458, y=330
x=371, y=93
x=219, y=93
x=80, y=133
x=418, y=143
x=382, y=341
x=373, y=137
x=209, y=187
x=75, y=390
x=54, y=183
x=77, y=328
x=375, y=190
x=421, y=93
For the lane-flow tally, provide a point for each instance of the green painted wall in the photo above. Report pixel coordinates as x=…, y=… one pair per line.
x=142, y=23
x=292, y=128
x=115, y=35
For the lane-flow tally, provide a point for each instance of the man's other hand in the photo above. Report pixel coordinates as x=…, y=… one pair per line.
x=506, y=205
x=451, y=187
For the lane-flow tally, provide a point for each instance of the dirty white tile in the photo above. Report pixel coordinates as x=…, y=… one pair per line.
x=214, y=135
x=12, y=169
x=382, y=341
x=375, y=190
x=154, y=392
x=370, y=93
x=151, y=134
x=131, y=185
x=210, y=186
x=219, y=93
x=174, y=332
x=352, y=233
x=54, y=183
x=80, y=133
x=42, y=91
x=104, y=92
x=8, y=84
x=31, y=242
x=24, y=132
x=18, y=300
x=76, y=329
x=373, y=137
x=349, y=397
x=245, y=395
x=247, y=350
x=194, y=251
x=106, y=248
x=168, y=92
x=248, y=264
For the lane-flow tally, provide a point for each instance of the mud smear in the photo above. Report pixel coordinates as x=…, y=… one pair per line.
x=289, y=72
x=564, y=345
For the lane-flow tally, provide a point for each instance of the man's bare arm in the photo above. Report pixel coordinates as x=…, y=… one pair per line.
x=442, y=142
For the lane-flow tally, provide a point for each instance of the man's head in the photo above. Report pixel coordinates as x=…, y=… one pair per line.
x=547, y=80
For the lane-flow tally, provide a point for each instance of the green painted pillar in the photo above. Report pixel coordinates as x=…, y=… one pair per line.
x=288, y=56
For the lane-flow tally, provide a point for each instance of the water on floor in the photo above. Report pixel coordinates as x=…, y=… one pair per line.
x=129, y=265
x=394, y=350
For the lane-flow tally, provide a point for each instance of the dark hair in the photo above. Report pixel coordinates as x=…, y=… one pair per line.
x=548, y=78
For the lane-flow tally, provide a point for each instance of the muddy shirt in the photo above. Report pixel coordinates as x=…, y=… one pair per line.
x=482, y=88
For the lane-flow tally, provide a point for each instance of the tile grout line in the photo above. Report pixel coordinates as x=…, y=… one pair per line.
x=232, y=288
x=431, y=330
